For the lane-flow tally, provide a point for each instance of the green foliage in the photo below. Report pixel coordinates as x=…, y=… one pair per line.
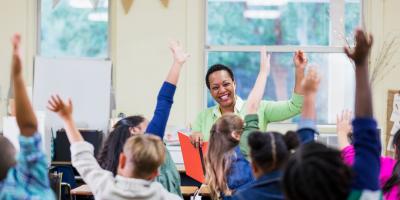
x=67, y=32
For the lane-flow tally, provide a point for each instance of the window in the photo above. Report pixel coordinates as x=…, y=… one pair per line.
x=73, y=28
x=237, y=28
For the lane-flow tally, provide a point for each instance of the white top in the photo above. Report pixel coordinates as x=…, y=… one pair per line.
x=104, y=185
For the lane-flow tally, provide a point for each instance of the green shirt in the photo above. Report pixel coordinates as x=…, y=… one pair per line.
x=251, y=124
x=269, y=111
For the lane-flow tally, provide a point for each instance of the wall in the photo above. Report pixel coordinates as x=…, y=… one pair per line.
x=16, y=16
x=142, y=58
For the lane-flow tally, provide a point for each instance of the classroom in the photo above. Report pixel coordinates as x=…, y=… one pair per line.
x=200, y=99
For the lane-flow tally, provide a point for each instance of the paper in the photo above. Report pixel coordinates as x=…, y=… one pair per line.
x=12, y=132
x=390, y=146
x=192, y=159
x=395, y=127
x=396, y=109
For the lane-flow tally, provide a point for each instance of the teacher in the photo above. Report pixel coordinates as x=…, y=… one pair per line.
x=220, y=82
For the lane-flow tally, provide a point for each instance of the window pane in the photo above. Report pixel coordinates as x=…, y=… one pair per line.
x=352, y=19
x=336, y=88
x=74, y=29
x=284, y=22
x=291, y=23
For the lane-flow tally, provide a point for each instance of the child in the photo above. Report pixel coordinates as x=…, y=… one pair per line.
x=316, y=171
x=27, y=176
x=138, y=165
x=226, y=165
x=169, y=175
x=113, y=146
x=389, y=172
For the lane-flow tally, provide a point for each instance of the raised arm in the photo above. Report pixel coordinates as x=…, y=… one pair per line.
x=300, y=61
x=165, y=97
x=64, y=111
x=365, y=135
x=180, y=57
x=310, y=85
x=82, y=153
x=256, y=94
x=363, y=106
x=253, y=101
x=25, y=115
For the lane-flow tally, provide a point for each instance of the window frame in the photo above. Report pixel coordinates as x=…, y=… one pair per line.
x=335, y=47
x=39, y=32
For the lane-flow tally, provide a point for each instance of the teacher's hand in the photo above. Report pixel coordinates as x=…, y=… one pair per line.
x=196, y=138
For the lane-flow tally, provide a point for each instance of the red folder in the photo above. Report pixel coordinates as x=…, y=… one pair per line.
x=193, y=158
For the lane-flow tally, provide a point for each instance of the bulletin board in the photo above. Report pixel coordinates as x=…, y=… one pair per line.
x=392, y=119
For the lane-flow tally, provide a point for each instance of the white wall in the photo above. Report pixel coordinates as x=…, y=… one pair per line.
x=141, y=56
x=16, y=16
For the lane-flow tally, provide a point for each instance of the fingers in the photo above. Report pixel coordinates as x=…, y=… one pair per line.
x=348, y=52
x=370, y=40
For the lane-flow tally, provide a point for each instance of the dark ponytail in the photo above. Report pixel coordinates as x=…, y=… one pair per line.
x=394, y=180
x=108, y=157
x=271, y=150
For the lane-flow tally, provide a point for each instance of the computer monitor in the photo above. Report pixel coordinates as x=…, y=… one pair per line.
x=62, y=151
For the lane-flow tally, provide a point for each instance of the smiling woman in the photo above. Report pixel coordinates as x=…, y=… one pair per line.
x=221, y=83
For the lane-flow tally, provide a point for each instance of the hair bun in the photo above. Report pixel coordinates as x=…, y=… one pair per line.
x=291, y=139
x=257, y=140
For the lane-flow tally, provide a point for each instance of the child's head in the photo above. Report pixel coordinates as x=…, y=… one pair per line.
x=270, y=151
x=316, y=171
x=7, y=157
x=122, y=130
x=224, y=137
x=396, y=144
x=141, y=157
x=394, y=180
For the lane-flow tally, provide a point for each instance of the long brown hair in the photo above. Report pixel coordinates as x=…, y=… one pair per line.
x=220, y=151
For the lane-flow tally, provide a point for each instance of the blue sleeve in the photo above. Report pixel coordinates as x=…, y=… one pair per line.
x=367, y=146
x=306, y=130
x=32, y=163
x=164, y=103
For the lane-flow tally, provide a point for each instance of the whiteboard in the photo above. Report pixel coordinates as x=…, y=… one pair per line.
x=86, y=81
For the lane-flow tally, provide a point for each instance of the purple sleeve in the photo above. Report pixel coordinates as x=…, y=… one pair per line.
x=348, y=155
x=159, y=121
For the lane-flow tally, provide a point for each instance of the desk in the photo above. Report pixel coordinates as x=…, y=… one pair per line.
x=205, y=191
x=82, y=190
x=188, y=190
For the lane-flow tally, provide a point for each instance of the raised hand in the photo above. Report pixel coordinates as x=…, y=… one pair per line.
x=180, y=56
x=311, y=82
x=343, y=122
x=343, y=127
x=265, y=58
x=300, y=60
x=16, y=58
x=57, y=105
x=360, y=52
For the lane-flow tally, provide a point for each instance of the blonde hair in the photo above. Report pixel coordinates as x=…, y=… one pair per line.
x=146, y=153
x=220, y=152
